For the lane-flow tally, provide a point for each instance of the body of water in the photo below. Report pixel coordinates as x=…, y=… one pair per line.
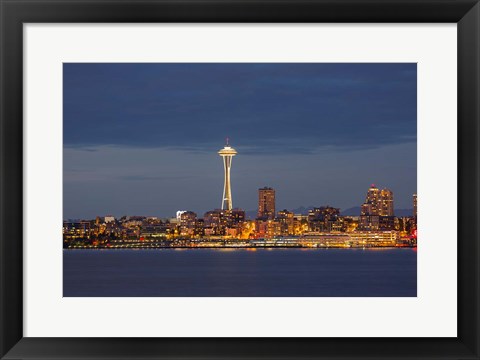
x=240, y=272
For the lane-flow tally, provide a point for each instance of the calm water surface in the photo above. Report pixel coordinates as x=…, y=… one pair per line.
x=240, y=272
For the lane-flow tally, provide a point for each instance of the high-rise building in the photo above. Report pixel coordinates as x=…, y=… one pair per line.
x=378, y=202
x=371, y=204
x=386, y=203
x=415, y=205
x=377, y=210
x=227, y=154
x=266, y=203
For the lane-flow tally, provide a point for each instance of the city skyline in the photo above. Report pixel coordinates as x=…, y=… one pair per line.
x=323, y=226
x=117, y=168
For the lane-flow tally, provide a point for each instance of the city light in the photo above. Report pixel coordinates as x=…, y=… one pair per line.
x=322, y=227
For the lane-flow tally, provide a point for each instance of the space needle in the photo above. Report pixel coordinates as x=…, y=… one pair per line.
x=227, y=153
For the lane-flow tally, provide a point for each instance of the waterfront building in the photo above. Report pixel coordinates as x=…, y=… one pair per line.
x=266, y=203
x=267, y=228
x=227, y=154
x=354, y=239
x=156, y=230
x=76, y=229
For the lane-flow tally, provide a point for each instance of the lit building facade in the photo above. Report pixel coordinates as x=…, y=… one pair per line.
x=377, y=212
x=378, y=202
x=266, y=203
x=287, y=222
x=188, y=219
x=188, y=223
x=324, y=219
x=386, y=203
x=372, y=203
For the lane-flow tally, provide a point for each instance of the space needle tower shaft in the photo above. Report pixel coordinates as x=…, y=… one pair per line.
x=227, y=153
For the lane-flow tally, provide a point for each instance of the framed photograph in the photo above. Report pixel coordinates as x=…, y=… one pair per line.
x=242, y=180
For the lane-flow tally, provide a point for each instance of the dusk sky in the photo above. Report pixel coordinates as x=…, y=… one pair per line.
x=142, y=139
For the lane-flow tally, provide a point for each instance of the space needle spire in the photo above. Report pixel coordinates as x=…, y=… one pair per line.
x=227, y=153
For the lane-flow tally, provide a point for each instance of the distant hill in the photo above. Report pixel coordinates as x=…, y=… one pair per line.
x=302, y=210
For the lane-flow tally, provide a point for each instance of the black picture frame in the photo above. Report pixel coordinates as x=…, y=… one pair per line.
x=14, y=13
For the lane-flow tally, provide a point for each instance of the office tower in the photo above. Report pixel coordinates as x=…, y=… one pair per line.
x=227, y=153
x=415, y=205
x=266, y=203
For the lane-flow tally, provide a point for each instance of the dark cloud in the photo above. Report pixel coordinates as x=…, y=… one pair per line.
x=268, y=108
x=142, y=138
